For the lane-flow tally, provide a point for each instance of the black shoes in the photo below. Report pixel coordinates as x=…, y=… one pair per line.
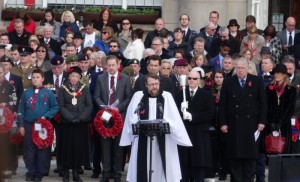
x=95, y=174
x=66, y=176
x=76, y=177
x=104, y=179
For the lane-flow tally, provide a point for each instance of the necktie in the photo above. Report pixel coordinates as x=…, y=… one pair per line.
x=98, y=70
x=290, y=44
x=192, y=94
x=112, y=90
x=56, y=84
x=242, y=83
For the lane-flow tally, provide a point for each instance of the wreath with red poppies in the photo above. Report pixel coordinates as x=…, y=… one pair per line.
x=44, y=138
x=112, y=128
x=7, y=120
x=16, y=138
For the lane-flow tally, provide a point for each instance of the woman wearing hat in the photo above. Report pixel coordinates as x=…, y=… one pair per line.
x=234, y=31
x=281, y=97
x=75, y=107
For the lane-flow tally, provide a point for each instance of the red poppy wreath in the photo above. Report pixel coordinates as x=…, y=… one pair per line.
x=16, y=138
x=43, y=138
x=112, y=128
x=6, y=120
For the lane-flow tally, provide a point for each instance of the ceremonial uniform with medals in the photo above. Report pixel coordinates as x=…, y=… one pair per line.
x=24, y=73
x=53, y=83
x=75, y=105
x=7, y=157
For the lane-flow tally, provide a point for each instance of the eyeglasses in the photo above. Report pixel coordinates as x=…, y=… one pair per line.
x=213, y=29
x=125, y=23
x=191, y=78
x=104, y=32
x=153, y=84
x=233, y=25
x=39, y=35
x=156, y=44
x=165, y=68
x=41, y=51
x=114, y=46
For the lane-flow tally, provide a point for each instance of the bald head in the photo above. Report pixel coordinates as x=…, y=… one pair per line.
x=159, y=24
x=290, y=24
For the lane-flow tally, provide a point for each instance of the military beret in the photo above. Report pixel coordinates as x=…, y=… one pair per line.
x=133, y=61
x=57, y=60
x=25, y=50
x=181, y=62
x=4, y=59
x=83, y=57
x=2, y=46
x=71, y=58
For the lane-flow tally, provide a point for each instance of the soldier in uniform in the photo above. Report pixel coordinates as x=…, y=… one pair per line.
x=71, y=60
x=83, y=63
x=16, y=83
x=24, y=69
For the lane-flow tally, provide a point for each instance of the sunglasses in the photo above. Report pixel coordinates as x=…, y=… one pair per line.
x=190, y=78
x=127, y=23
x=41, y=51
x=114, y=46
x=165, y=68
x=104, y=32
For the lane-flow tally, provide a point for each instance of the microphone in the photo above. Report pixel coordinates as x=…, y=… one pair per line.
x=160, y=107
x=139, y=107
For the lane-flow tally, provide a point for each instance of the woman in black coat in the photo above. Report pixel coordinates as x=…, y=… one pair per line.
x=75, y=105
x=281, y=97
x=196, y=159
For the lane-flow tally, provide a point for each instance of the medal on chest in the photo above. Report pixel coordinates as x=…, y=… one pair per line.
x=74, y=100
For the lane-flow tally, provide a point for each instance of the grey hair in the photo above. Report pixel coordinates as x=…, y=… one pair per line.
x=244, y=61
x=223, y=30
x=95, y=54
x=47, y=26
x=147, y=51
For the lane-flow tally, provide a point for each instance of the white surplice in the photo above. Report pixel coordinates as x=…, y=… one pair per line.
x=178, y=136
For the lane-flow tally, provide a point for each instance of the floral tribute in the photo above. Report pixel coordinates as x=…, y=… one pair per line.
x=7, y=120
x=101, y=125
x=47, y=130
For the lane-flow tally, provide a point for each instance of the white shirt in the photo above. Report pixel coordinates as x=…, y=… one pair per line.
x=195, y=90
x=89, y=40
x=60, y=77
x=116, y=78
x=288, y=35
x=7, y=76
x=97, y=69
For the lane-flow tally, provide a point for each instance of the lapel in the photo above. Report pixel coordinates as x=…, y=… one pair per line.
x=237, y=86
x=245, y=90
x=106, y=86
x=118, y=86
x=285, y=36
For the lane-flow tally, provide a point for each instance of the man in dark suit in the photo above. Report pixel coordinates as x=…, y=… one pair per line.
x=188, y=33
x=54, y=78
x=112, y=87
x=242, y=111
x=209, y=34
x=197, y=113
x=51, y=43
x=153, y=67
x=214, y=18
x=157, y=46
x=217, y=61
x=287, y=36
x=78, y=41
x=19, y=36
x=159, y=25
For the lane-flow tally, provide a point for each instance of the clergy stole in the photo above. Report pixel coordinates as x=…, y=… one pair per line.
x=142, y=171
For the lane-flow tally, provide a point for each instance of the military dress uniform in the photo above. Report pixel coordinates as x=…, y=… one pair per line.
x=25, y=74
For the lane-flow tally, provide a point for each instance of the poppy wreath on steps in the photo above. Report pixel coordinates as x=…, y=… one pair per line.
x=112, y=128
x=6, y=120
x=43, y=138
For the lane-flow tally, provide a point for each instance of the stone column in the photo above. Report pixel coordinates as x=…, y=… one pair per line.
x=199, y=10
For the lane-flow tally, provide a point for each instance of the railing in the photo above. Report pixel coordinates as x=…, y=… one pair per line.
x=79, y=4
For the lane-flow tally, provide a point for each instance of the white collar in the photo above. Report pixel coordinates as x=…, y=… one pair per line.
x=7, y=76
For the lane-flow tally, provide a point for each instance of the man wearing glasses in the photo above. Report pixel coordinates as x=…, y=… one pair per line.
x=165, y=158
x=209, y=34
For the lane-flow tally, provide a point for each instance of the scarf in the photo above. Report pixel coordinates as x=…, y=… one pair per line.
x=279, y=88
x=142, y=149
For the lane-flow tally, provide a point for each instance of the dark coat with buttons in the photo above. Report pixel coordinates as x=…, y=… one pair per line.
x=201, y=107
x=242, y=109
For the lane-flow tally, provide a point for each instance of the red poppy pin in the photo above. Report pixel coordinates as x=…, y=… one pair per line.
x=271, y=87
x=218, y=62
x=208, y=83
x=142, y=111
x=119, y=76
x=68, y=29
x=298, y=87
x=78, y=94
x=70, y=70
x=245, y=45
x=250, y=84
x=12, y=82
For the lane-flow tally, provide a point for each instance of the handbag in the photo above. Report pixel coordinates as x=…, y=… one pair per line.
x=274, y=144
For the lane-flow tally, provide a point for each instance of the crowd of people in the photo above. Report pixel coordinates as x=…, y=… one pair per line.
x=216, y=88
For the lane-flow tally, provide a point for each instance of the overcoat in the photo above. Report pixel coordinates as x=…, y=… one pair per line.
x=242, y=109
